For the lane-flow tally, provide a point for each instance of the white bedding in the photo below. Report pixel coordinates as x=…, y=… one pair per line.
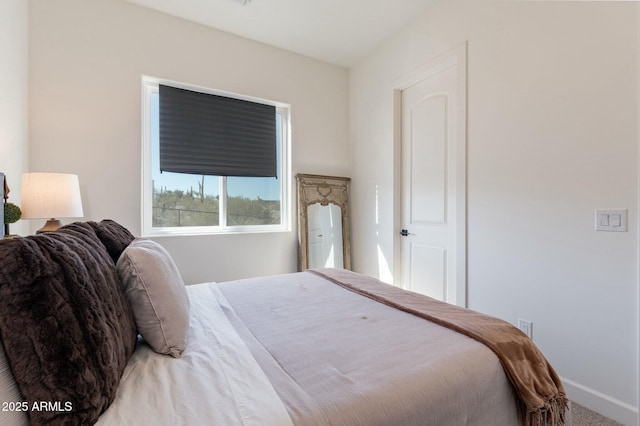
x=215, y=382
x=246, y=363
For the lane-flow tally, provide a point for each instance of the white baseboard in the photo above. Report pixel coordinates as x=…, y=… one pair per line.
x=606, y=405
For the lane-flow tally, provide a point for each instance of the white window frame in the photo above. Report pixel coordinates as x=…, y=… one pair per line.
x=150, y=86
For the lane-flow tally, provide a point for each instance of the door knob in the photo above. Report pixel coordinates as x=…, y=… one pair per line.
x=404, y=233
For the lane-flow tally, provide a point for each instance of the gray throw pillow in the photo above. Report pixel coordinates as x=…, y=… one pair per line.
x=157, y=295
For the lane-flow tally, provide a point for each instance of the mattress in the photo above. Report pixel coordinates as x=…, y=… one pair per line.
x=298, y=349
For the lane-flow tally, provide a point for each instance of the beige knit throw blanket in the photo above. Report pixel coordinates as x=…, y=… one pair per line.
x=541, y=394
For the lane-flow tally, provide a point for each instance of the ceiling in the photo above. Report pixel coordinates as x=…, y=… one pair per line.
x=340, y=32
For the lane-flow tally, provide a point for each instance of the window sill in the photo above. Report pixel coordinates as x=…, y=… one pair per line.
x=230, y=230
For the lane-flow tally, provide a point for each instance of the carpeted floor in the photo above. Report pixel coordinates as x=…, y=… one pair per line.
x=582, y=416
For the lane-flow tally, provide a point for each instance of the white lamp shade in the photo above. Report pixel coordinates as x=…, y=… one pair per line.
x=50, y=195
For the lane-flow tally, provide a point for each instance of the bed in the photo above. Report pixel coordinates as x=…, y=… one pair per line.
x=98, y=328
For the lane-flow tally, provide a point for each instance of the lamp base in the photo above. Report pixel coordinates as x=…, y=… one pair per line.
x=51, y=225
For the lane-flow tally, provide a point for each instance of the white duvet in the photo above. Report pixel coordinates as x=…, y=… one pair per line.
x=215, y=382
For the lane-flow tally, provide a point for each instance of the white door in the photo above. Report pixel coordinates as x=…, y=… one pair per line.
x=432, y=241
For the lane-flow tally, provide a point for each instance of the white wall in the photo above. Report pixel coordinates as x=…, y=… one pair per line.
x=552, y=135
x=14, y=44
x=86, y=63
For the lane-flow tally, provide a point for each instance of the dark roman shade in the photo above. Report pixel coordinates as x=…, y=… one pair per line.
x=215, y=135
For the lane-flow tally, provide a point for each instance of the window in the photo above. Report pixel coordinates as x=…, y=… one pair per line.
x=183, y=203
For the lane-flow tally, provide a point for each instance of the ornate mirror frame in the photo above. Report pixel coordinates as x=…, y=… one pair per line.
x=325, y=190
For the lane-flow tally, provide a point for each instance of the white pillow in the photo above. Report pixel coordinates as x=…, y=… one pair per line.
x=157, y=295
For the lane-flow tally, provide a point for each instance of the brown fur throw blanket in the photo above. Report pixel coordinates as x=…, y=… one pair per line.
x=114, y=236
x=65, y=324
x=541, y=395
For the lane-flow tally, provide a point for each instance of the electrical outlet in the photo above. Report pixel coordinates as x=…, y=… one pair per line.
x=526, y=327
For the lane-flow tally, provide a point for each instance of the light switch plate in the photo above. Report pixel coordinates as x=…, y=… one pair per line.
x=612, y=220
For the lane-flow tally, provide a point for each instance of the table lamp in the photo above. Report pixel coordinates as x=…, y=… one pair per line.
x=50, y=196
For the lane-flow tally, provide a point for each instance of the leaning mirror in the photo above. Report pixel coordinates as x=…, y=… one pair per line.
x=323, y=222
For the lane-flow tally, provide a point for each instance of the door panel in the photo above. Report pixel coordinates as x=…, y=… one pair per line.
x=428, y=270
x=428, y=146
